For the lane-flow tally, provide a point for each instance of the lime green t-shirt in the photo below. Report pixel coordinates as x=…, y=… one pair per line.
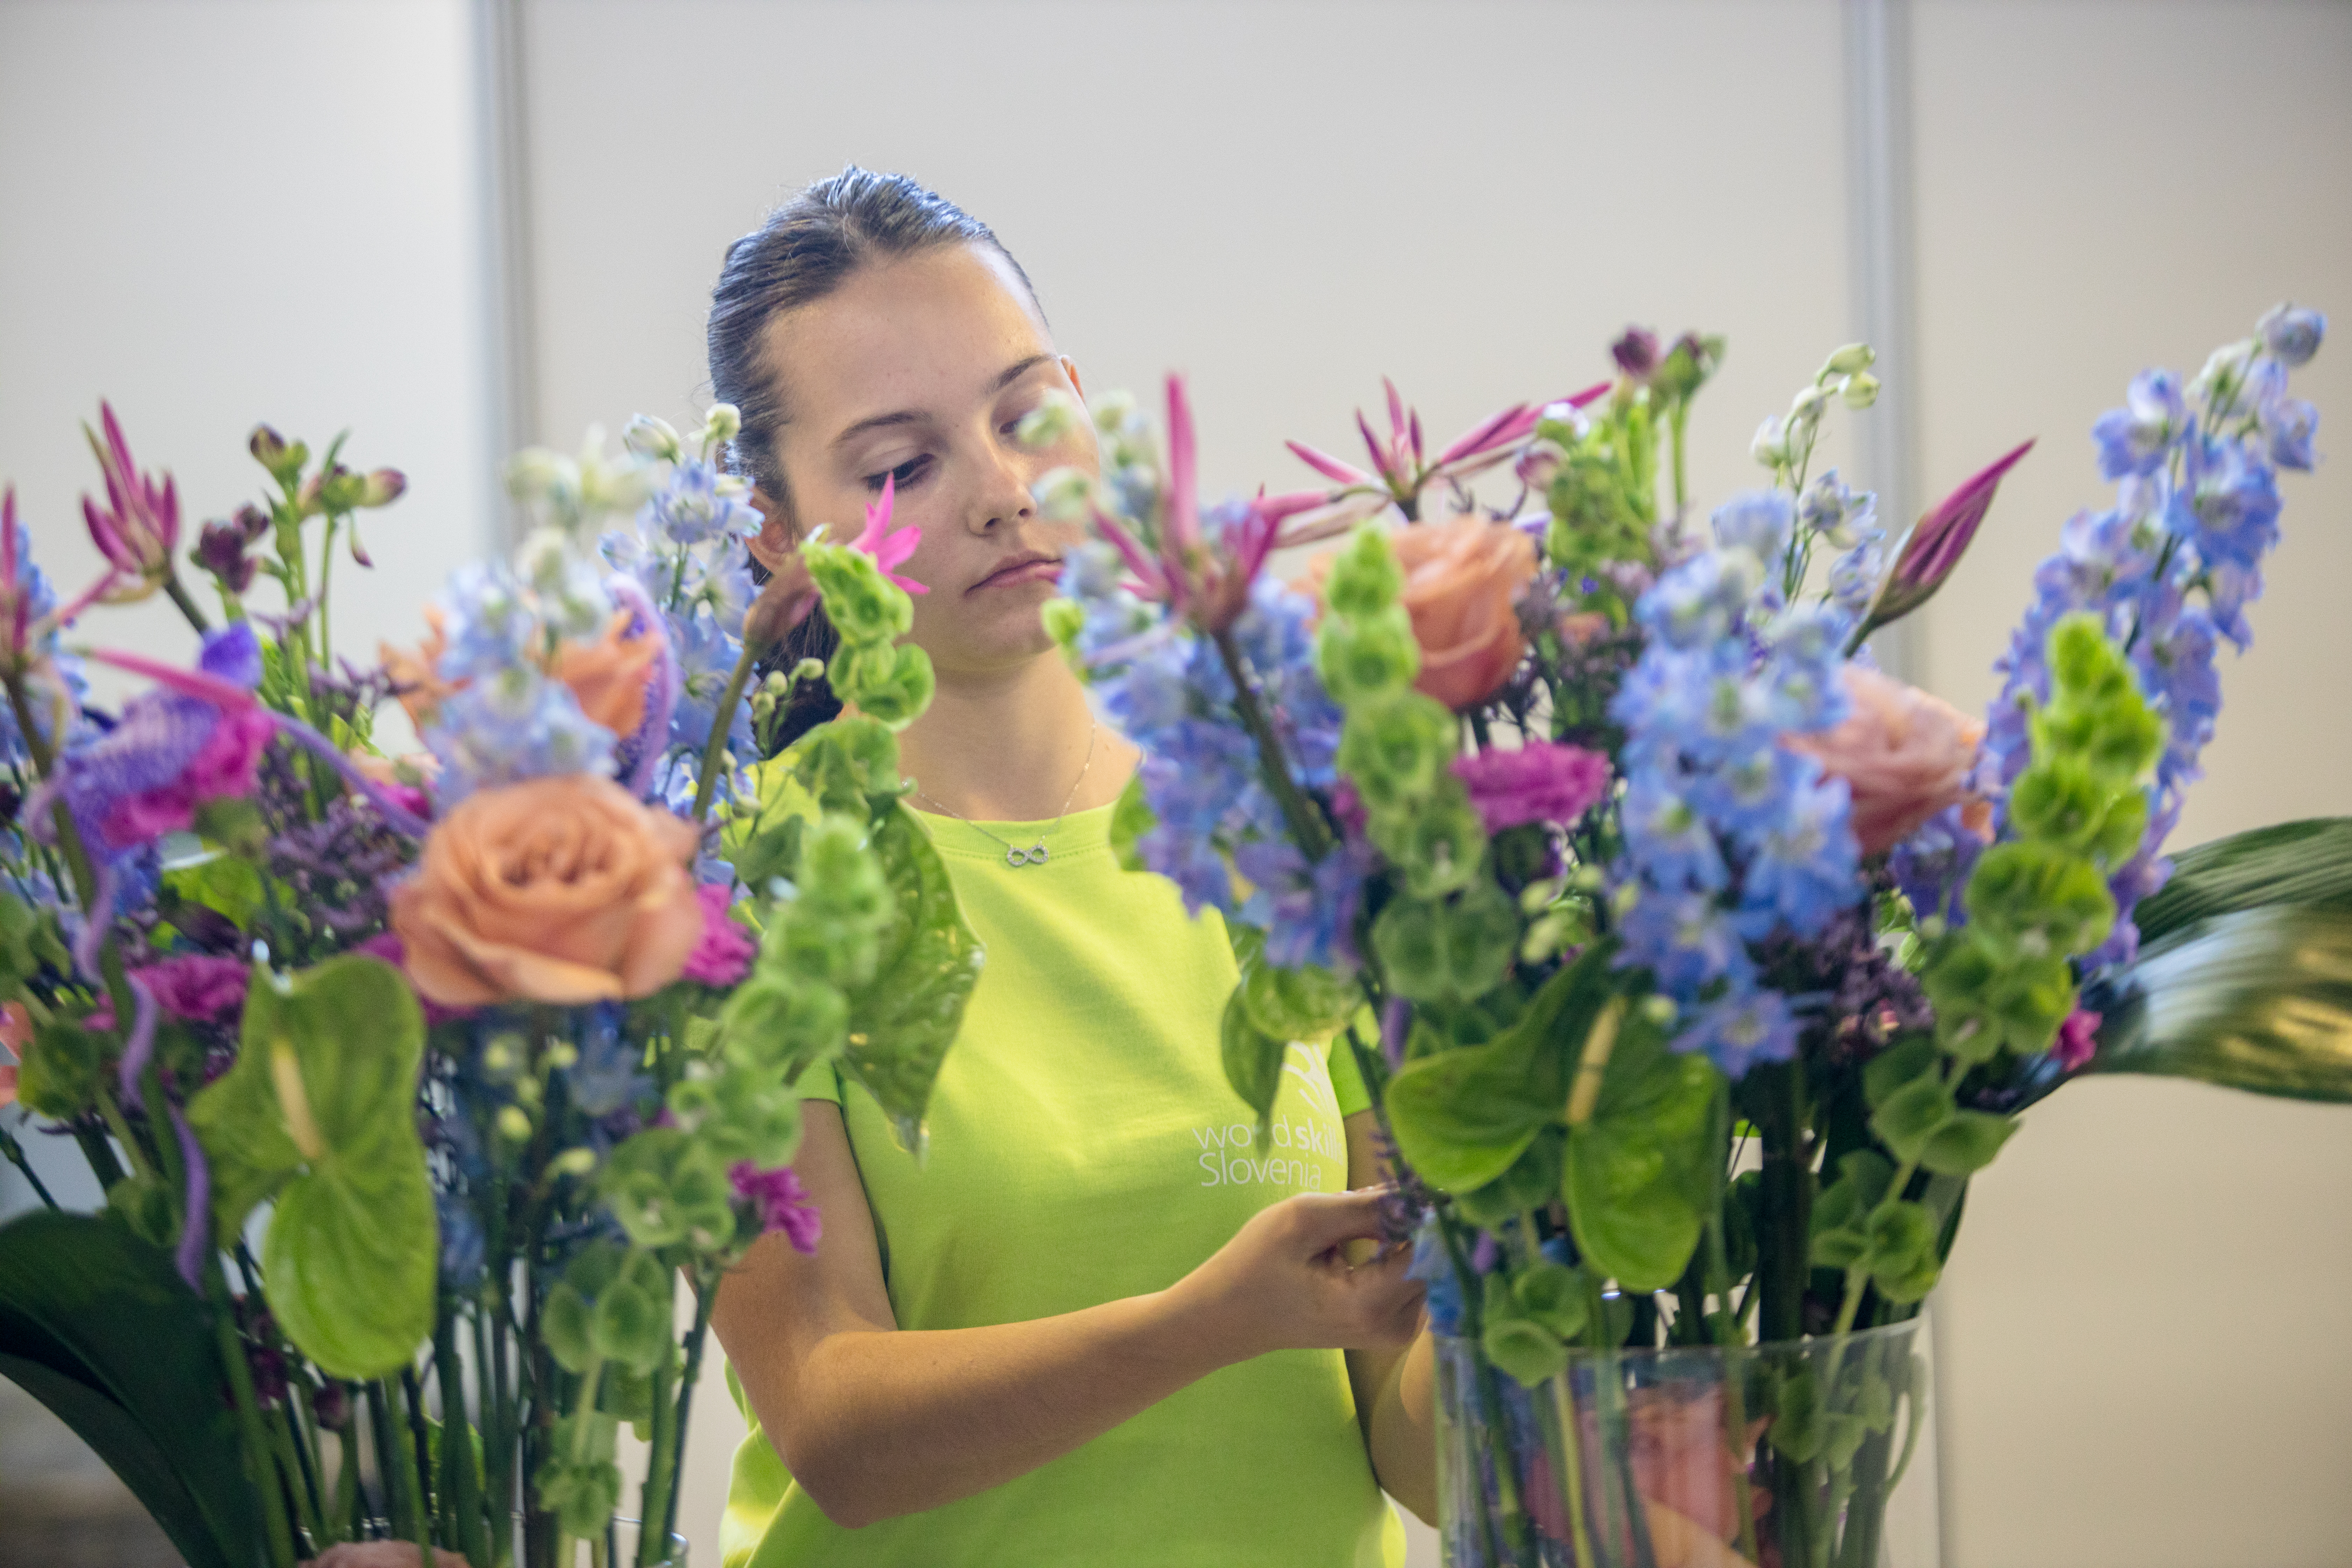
x=1083, y=1147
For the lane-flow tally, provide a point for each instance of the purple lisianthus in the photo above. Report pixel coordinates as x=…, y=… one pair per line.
x=777, y=1198
x=1539, y=782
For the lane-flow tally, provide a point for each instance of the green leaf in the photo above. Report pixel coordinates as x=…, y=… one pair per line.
x=2307, y=862
x=320, y=1108
x=1463, y=1118
x=2257, y=999
x=84, y=1305
x=1796, y=1426
x=1840, y=1211
x=1898, y=1064
x=903, y=1020
x=1554, y=1295
x=1902, y=1259
x=1967, y=1144
x=1131, y=819
x=1253, y=1059
x=1642, y=1172
x=1912, y=1115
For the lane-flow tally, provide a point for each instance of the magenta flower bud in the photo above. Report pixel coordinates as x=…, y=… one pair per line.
x=1934, y=546
x=1636, y=353
x=220, y=549
x=139, y=527
x=382, y=488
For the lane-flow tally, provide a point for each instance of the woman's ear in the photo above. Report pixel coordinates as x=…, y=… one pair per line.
x=1070, y=369
x=777, y=539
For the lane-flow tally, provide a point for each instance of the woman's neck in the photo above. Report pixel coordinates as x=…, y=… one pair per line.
x=1007, y=746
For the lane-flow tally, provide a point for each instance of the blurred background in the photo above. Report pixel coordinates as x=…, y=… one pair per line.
x=458, y=227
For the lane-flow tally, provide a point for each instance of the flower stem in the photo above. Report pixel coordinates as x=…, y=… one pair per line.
x=16, y=1153
x=707, y=1293
x=259, y=1465
x=722, y=719
x=1313, y=837
x=179, y=594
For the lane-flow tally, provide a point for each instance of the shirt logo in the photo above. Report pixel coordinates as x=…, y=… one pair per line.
x=1305, y=1131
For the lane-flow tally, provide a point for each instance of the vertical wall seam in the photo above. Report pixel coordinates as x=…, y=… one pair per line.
x=502, y=80
x=1880, y=229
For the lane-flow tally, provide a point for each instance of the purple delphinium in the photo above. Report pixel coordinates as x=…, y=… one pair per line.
x=2168, y=569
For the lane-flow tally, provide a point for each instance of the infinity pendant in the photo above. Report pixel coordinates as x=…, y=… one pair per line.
x=1033, y=855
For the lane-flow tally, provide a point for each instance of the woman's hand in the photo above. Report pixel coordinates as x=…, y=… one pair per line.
x=382, y=1554
x=1283, y=1282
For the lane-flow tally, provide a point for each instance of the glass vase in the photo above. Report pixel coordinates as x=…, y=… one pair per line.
x=1814, y=1454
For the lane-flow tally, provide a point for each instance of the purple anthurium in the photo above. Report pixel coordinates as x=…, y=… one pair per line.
x=139, y=527
x=1205, y=579
x=889, y=546
x=1934, y=546
x=1401, y=471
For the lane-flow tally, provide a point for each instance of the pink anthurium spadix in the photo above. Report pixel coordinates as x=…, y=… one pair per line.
x=1200, y=568
x=1401, y=470
x=139, y=527
x=1934, y=546
x=889, y=546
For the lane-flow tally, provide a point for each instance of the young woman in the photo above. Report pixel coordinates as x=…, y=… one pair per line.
x=1102, y=1322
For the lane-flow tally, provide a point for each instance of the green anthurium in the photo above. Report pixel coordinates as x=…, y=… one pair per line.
x=902, y=1021
x=2257, y=999
x=1643, y=1169
x=1463, y=1118
x=1554, y=1295
x=320, y=1112
x=1522, y=1347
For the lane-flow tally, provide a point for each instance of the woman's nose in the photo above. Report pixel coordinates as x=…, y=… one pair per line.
x=1002, y=494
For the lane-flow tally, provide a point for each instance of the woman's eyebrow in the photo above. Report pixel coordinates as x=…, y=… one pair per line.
x=1004, y=378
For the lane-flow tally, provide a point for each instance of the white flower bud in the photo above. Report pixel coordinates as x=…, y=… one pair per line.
x=1860, y=390
x=1771, y=447
x=1852, y=357
x=1053, y=421
x=1807, y=406
x=1112, y=410
x=650, y=436
x=721, y=422
x=514, y=1124
x=1065, y=495
x=574, y=1162
x=535, y=473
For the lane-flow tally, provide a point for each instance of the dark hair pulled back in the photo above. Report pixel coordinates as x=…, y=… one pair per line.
x=803, y=250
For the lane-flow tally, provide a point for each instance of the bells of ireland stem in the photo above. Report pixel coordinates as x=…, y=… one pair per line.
x=1934, y=547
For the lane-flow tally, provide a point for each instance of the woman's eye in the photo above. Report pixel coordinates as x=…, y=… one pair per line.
x=902, y=476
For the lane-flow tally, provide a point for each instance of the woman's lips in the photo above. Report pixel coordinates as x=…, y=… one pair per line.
x=1048, y=570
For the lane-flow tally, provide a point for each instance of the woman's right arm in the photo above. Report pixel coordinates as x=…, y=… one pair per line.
x=875, y=1421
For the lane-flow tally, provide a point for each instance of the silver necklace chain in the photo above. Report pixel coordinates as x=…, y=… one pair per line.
x=1014, y=856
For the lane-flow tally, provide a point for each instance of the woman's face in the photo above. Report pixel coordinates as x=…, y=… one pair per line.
x=917, y=370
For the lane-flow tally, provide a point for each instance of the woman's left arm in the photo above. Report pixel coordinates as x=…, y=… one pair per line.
x=1395, y=1390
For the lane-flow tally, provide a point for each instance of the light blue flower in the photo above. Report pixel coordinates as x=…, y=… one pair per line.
x=698, y=505
x=1761, y=522
x=1741, y=1029
x=1802, y=870
x=2137, y=437
x=513, y=726
x=1668, y=839
x=1686, y=940
x=2292, y=334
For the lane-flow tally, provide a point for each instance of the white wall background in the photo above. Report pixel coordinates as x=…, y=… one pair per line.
x=216, y=211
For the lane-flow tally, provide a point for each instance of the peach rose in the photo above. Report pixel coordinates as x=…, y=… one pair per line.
x=608, y=676
x=563, y=890
x=1903, y=754
x=1462, y=584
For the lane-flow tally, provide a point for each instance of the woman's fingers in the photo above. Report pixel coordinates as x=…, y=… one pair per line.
x=1321, y=1221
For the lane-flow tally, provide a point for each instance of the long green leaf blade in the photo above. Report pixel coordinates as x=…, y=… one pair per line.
x=2307, y=862
x=2257, y=999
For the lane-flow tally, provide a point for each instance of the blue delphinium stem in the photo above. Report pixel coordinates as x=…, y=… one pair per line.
x=1306, y=828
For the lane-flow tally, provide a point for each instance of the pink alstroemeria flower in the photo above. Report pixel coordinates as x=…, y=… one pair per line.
x=889, y=546
x=1934, y=546
x=1401, y=469
x=139, y=527
x=1207, y=579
